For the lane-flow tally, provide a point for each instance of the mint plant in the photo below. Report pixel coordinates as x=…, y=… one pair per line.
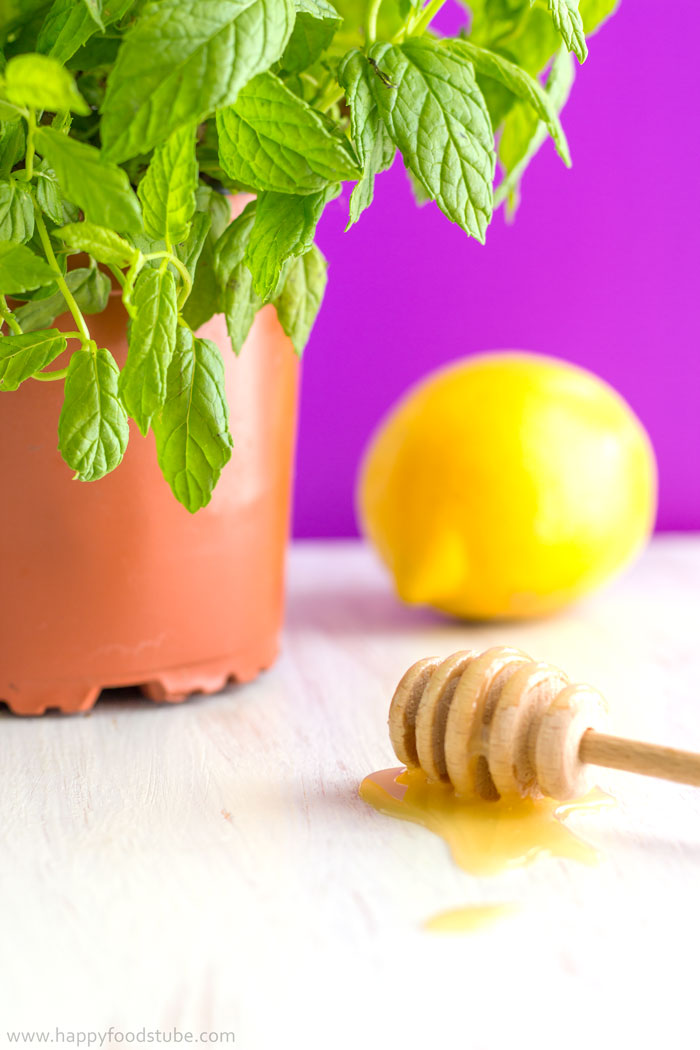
x=124, y=123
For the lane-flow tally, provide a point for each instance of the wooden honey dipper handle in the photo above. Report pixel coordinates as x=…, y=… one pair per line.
x=633, y=756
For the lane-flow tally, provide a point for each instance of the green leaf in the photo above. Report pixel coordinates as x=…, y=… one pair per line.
x=284, y=228
x=8, y=111
x=94, y=9
x=523, y=133
x=103, y=244
x=190, y=251
x=595, y=12
x=204, y=299
x=182, y=60
x=217, y=205
x=240, y=300
x=21, y=270
x=420, y=196
x=93, y=429
x=436, y=115
x=314, y=28
x=152, y=334
x=48, y=193
x=90, y=288
x=272, y=140
x=525, y=35
x=22, y=356
x=192, y=435
x=101, y=189
x=230, y=248
x=12, y=145
x=241, y=304
x=69, y=25
x=520, y=84
x=167, y=190
x=40, y=82
x=14, y=13
x=300, y=299
x=567, y=21
x=16, y=212
x=372, y=140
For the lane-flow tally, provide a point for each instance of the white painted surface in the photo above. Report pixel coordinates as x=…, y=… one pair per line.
x=210, y=866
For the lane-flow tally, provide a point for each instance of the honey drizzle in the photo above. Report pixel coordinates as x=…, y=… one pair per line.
x=484, y=838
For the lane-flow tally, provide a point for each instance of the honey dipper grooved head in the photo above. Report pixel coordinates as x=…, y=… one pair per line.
x=494, y=724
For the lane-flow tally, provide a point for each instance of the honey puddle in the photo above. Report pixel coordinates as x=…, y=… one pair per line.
x=467, y=919
x=484, y=837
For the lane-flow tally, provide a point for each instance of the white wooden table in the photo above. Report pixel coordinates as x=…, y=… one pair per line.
x=210, y=867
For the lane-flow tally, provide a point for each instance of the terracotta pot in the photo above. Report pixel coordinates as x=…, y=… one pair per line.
x=113, y=583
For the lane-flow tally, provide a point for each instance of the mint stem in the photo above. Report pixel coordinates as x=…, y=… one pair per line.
x=181, y=269
x=29, y=160
x=425, y=18
x=7, y=315
x=51, y=377
x=60, y=280
x=371, y=23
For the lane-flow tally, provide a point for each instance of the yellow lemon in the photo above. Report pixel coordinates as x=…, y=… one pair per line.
x=507, y=485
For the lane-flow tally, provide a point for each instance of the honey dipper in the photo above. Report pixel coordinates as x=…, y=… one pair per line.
x=499, y=724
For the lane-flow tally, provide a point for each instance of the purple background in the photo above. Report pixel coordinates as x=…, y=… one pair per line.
x=600, y=268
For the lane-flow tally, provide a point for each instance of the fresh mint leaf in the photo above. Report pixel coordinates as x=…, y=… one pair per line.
x=523, y=133
x=21, y=270
x=152, y=334
x=16, y=212
x=272, y=140
x=192, y=435
x=182, y=60
x=48, y=193
x=241, y=303
x=190, y=251
x=520, y=84
x=100, y=188
x=12, y=145
x=240, y=300
x=300, y=299
x=231, y=246
x=204, y=299
x=284, y=228
x=15, y=13
x=90, y=288
x=93, y=429
x=39, y=82
x=22, y=356
x=595, y=12
x=69, y=25
x=436, y=115
x=103, y=244
x=94, y=9
x=314, y=28
x=567, y=21
x=167, y=191
x=495, y=20
x=217, y=205
x=420, y=196
x=521, y=33
x=372, y=141
x=8, y=110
